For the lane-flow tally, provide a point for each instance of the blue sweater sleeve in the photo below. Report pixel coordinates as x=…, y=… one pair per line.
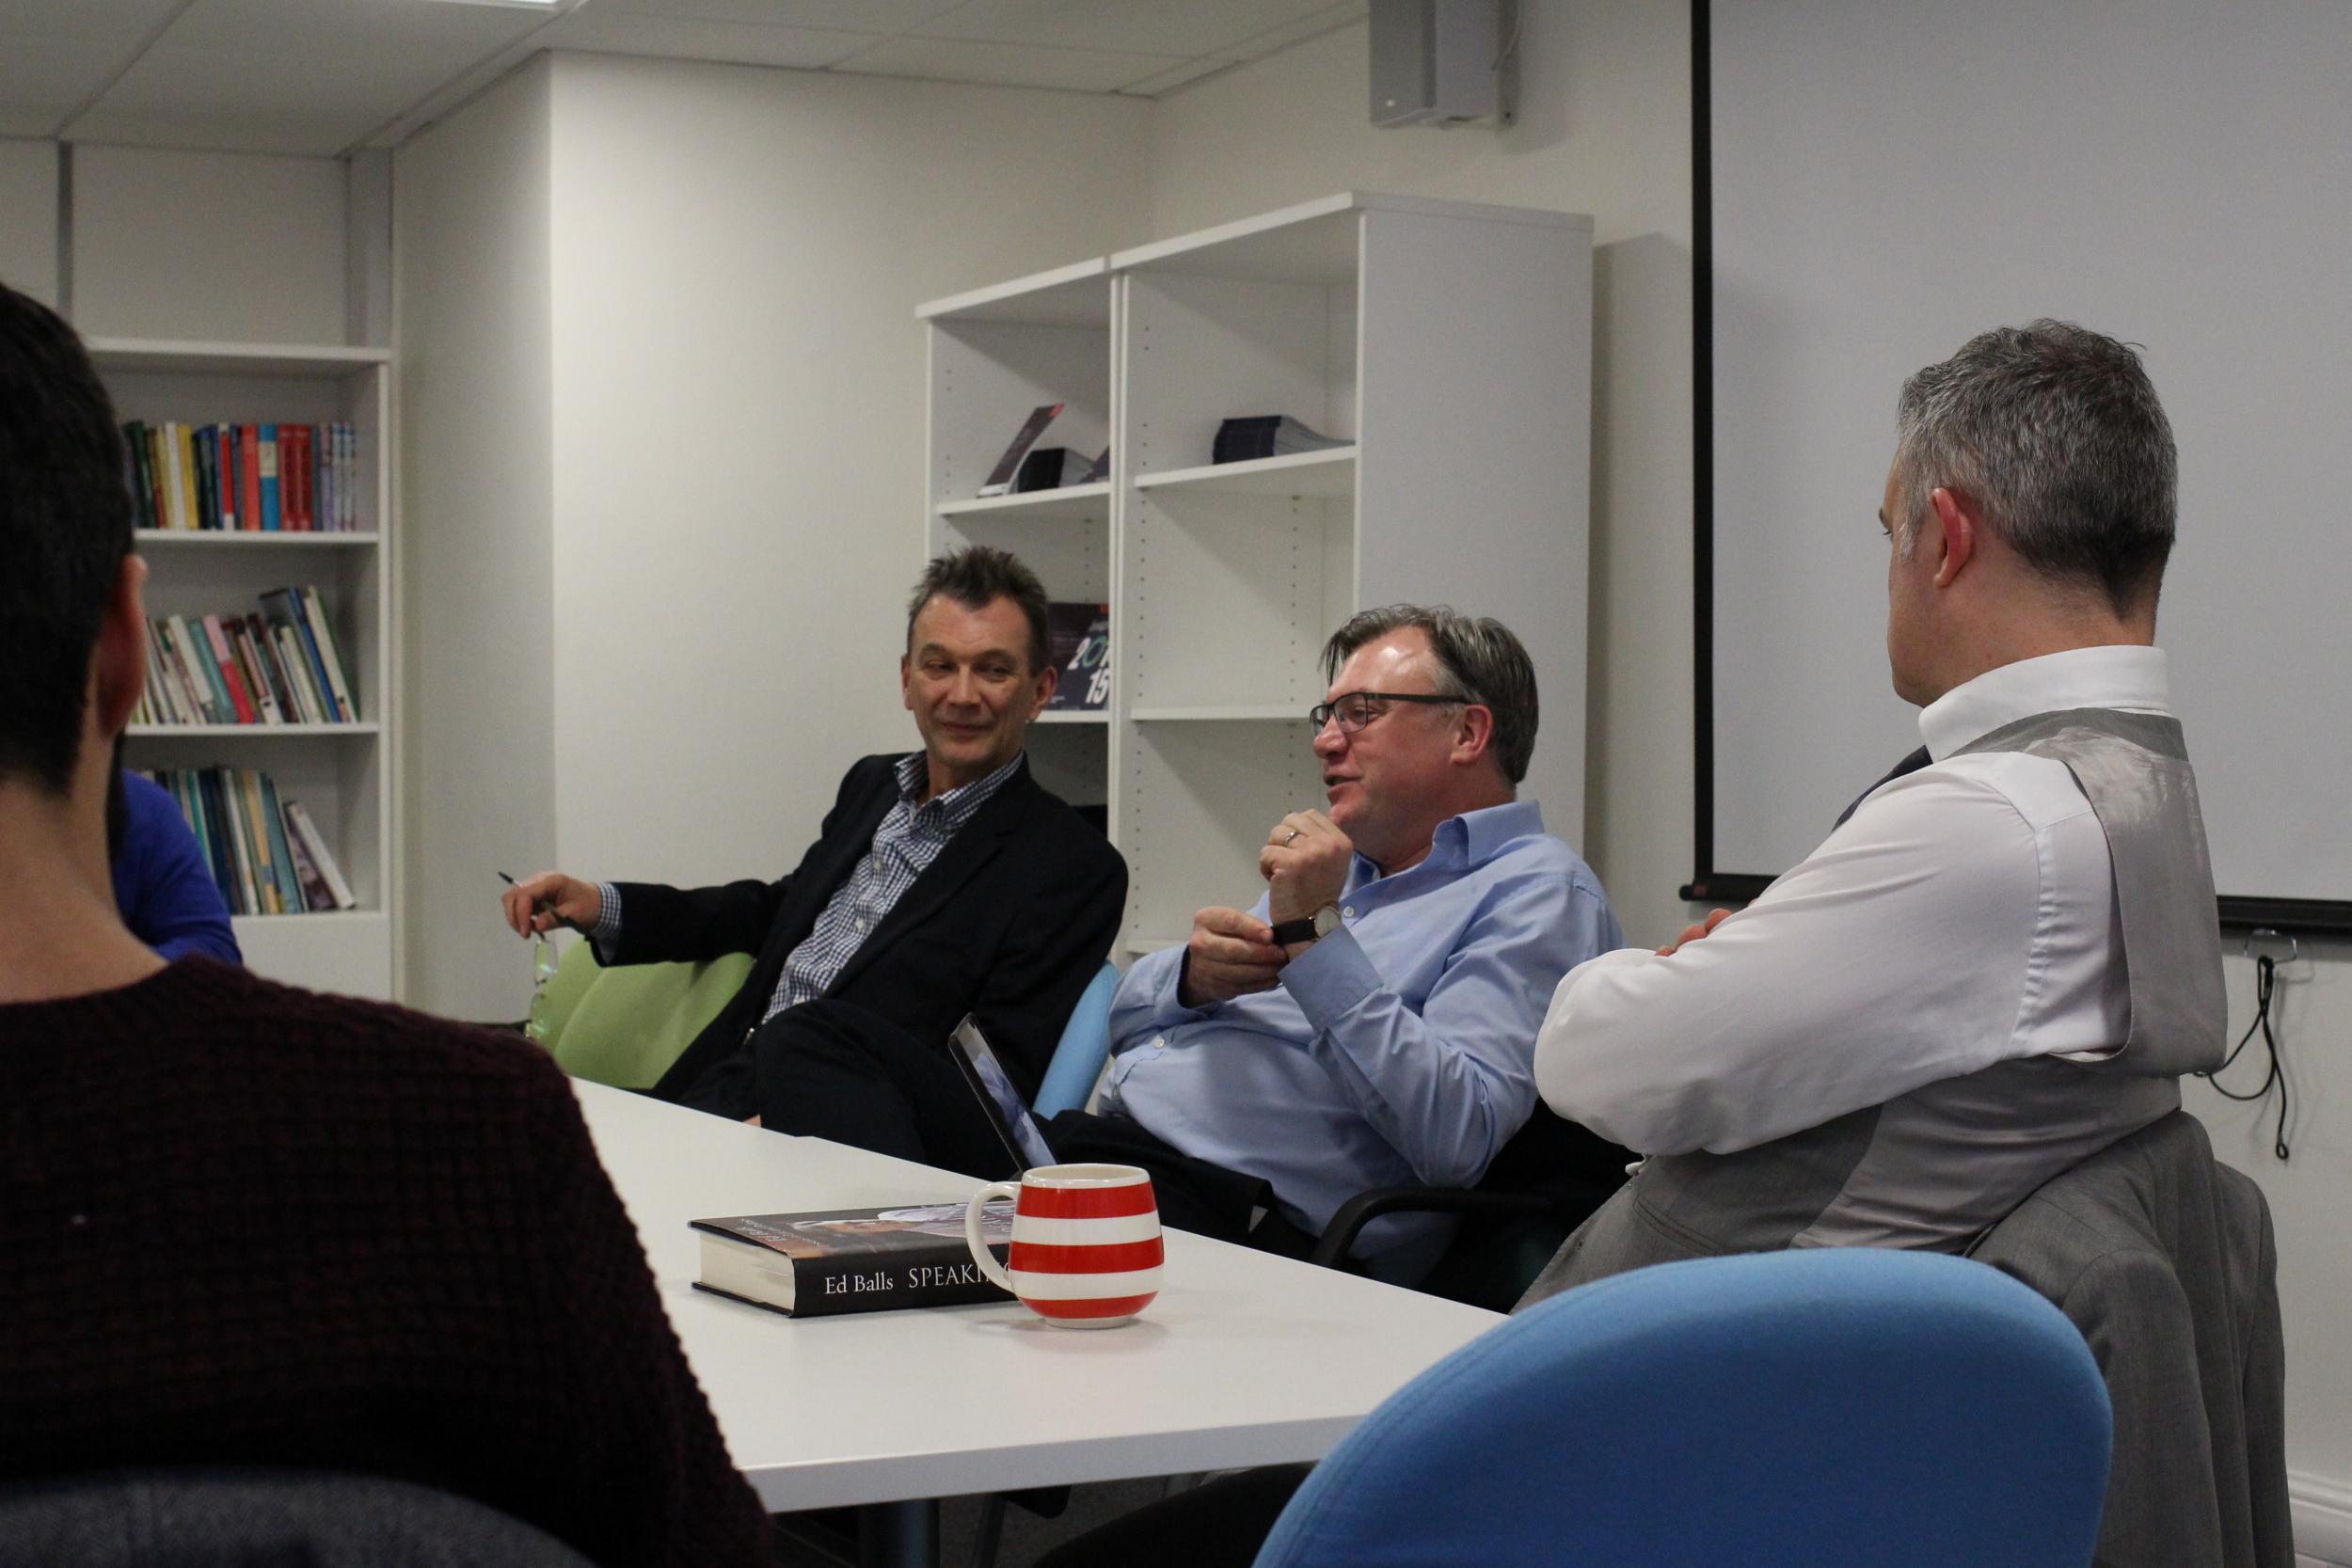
x=162, y=884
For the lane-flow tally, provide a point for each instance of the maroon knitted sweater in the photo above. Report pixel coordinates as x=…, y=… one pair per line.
x=244, y=1224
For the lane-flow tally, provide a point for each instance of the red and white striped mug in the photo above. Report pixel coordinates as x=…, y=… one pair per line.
x=1086, y=1242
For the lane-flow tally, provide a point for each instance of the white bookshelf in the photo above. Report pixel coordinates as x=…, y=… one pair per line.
x=994, y=355
x=1448, y=344
x=1304, y=475
x=344, y=774
x=175, y=540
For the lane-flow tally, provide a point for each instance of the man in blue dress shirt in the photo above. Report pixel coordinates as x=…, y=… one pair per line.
x=1371, y=1021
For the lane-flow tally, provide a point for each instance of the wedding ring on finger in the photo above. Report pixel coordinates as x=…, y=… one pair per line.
x=1292, y=839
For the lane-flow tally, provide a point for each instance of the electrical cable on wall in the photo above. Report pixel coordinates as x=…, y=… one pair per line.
x=2265, y=981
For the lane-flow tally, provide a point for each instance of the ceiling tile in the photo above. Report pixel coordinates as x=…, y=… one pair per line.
x=1005, y=64
x=128, y=20
x=1193, y=27
x=222, y=101
x=676, y=38
x=451, y=36
x=1327, y=21
x=1191, y=71
x=308, y=76
x=880, y=18
x=53, y=56
x=44, y=79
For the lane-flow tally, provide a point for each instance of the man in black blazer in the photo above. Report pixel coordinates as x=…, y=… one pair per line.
x=941, y=883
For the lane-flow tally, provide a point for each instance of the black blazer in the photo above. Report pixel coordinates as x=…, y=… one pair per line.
x=1009, y=923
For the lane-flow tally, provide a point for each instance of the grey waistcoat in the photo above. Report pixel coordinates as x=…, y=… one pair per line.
x=1934, y=1167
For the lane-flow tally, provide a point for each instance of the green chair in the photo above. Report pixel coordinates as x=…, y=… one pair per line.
x=625, y=1025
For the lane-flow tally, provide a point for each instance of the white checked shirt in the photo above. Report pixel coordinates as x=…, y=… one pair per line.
x=909, y=838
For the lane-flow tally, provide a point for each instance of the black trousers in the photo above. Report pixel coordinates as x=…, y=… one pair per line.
x=1193, y=1194
x=829, y=1069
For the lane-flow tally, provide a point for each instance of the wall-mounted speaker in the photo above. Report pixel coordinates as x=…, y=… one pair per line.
x=1434, y=61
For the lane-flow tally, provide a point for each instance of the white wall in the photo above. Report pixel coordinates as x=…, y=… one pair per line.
x=1604, y=129
x=29, y=237
x=207, y=246
x=738, y=434
x=472, y=264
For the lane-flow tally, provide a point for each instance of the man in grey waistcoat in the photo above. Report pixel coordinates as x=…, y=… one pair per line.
x=2004, y=957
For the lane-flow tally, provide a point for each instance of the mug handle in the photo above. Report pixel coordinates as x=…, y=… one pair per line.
x=973, y=1237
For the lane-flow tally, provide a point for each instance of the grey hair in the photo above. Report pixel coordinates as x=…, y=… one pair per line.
x=1479, y=661
x=2055, y=433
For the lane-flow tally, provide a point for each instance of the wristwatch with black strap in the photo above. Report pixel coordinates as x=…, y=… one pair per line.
x=1308, y=928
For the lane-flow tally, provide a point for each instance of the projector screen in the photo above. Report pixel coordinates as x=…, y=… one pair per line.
x=1878, y=182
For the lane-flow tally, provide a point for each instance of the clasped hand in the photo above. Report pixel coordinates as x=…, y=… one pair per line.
x=1232, y=953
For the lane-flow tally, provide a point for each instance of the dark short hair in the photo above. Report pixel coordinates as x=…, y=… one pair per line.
x=1479, y=660
x=65, y=526
x=976, y=577
x=2054, y=430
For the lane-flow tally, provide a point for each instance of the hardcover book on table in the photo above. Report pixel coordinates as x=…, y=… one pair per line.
x=851, y=1260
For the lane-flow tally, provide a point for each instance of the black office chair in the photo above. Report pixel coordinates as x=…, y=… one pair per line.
x=207, y=1517
x=1546, y=1180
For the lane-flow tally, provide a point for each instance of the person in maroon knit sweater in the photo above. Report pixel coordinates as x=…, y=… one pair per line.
x=242, y=1223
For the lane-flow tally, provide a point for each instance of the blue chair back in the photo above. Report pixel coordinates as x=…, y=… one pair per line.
x=1855, y=1406
x=1086, y=1040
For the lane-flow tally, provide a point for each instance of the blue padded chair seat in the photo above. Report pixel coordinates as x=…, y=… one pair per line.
x=1851, y=1407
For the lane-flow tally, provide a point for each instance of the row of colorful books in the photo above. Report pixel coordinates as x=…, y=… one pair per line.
x=267, y=855
x=276, y=666
x=257, y=478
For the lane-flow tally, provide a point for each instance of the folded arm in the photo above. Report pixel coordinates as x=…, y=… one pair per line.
x=1892, y=958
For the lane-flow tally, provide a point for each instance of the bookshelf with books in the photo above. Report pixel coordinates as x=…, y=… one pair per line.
x=1443, y=349
x=297, y=618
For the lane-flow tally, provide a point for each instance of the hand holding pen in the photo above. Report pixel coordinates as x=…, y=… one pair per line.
x=537, y=904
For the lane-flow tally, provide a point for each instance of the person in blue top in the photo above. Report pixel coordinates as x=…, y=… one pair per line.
x=1371, y=1020
x=163, y=885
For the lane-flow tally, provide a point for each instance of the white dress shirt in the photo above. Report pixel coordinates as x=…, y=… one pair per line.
x=1963, y=916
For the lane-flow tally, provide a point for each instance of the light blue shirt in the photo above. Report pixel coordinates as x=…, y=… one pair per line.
x=1397, y=1051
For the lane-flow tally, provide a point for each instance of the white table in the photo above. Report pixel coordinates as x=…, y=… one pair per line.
x=1244, y=1358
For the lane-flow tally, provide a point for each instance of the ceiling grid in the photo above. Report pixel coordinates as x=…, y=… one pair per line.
x=325, y=78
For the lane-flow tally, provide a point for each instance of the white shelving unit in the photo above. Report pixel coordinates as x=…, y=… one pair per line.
x=1448, y=343
x=995, y=354
x=344, y=774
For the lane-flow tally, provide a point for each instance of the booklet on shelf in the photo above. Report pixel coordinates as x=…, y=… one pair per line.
x=1000, y=477
x=1256, y=435
x=851, y=1260
x=1050, y=469
x=1080, y=637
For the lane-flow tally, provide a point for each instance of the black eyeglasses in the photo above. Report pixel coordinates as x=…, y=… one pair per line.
x=1358, y=708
